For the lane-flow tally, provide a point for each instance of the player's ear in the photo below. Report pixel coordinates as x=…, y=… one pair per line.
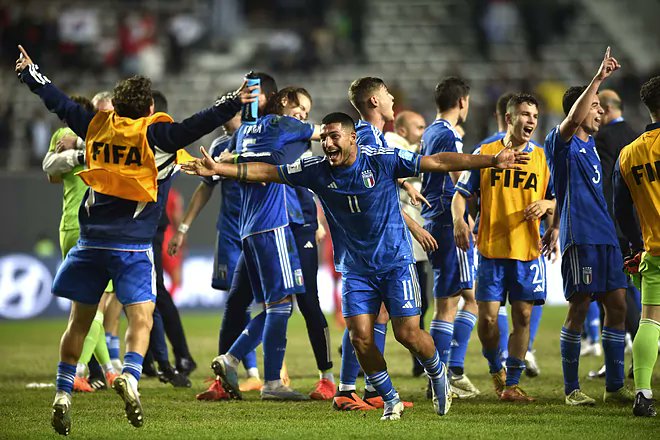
x=508, y=118
x=373, y=100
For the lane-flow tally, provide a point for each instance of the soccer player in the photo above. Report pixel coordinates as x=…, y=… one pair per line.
x=453, y=268
x=118, y=217
x=592, y=263
x=375, y=104
x=408, y=129
x=636, y=181
x=357, y=187
x=269, y=251
x=531, y=367
x=510, y=262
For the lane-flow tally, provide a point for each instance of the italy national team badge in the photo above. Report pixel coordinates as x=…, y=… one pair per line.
x=368, y=179
x=299, y=276
x=587, y=275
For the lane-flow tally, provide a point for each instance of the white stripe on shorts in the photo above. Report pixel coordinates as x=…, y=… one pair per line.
x=283, y=254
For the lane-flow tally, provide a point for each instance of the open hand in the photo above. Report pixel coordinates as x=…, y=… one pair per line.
x=204, y=166
x=510, y=158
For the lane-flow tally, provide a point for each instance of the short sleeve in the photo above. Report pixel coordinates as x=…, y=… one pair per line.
x=303, y=172
x=405, y=163
x=554, y=144
x=293, y=130
x=470, y=180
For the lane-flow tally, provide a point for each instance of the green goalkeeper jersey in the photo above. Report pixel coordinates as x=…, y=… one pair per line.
x=74, y=187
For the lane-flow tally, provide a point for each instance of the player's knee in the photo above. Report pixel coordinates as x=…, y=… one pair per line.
x=406, y=335
x=361, y=341
x=487, y=321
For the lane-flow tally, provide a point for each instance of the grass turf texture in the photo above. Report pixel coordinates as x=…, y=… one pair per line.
x=28, y=350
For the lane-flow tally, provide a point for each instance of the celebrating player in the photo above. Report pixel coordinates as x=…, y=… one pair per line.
x=636, y=180
x=591, y=267
x=358, y=192
x=118, y=217
x=510, y=262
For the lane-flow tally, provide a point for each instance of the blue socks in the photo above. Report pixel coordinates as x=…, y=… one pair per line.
x=66, y=373
x=250, y=338
x=534, y=322
x=274, y=337
x=493, y=358
x=503, y=325
x=432, y=366
x=383, y=385
x=380, y=334
x=514, y=368
x=133, y=364
x=113, y=345
x=463, y=326
x=569, y=344
x=442, y=333
x=613, y=349
x=349, y=363
x=250, y=359
x=592, y=323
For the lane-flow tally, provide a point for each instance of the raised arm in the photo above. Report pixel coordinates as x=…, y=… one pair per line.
x=445, y=162
x=75, y=116
x=243, y=172
x=580, y=109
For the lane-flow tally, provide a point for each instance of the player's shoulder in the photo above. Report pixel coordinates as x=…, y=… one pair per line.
x=441, y=128
x=490, y=147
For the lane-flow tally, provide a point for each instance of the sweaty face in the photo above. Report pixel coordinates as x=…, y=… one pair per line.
x=385, y=103
x=300, y=111
x=524, y=119
x=337, y=144
x=594, y=118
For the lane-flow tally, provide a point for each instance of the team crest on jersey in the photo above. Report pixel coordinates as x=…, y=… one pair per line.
x=299, y=277
x=587, y=275
x=368, y=179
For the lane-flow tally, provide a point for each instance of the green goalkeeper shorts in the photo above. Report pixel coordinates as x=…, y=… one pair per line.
x=68, y=239
x=649, y=268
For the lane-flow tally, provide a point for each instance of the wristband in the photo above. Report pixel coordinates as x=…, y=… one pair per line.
x=81, y=157
x=183, y=228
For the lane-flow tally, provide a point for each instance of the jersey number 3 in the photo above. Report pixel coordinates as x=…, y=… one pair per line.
x=353, y=204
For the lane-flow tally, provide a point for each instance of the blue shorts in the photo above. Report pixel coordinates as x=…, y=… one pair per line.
x=398, y=289
x=501, y=278
x=453, y=268
x=273, y=265
x=227, y=251
x=593, y=269
x=85, y=273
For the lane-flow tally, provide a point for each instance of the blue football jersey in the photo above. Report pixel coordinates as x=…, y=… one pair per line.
x=361, y=204
x=230, y=204
x=276, y=140
x=368, y=134
x=578, y=183
x=438, y=188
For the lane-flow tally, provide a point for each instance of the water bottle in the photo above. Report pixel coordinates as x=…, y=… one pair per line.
x=250, y=111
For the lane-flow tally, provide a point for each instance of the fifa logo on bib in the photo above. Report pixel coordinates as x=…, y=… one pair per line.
x=368, y=179
x=299, y=277
x=587, y=275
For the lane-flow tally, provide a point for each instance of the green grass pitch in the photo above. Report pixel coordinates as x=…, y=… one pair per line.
x=29, y=353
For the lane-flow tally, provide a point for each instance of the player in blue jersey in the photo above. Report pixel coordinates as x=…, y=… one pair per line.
x=116, y=233
x=373, y=101
x=270, y=256
x=357, y=187
x=592, y=262
x=453, y=268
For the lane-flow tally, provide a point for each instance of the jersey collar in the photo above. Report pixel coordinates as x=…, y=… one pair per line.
x=615, y=120
x=654, y=126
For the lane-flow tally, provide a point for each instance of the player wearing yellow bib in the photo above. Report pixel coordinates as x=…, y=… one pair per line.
x=637, y=181
x=510, y=262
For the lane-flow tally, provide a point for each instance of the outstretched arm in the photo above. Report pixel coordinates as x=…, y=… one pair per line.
x=445, y=162
x=243, y=172
x=580, y=109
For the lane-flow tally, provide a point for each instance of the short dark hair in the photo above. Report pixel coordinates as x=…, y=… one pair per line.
x=267, y=84
x=346, y=121
x=274, y=104
x=449, y=91
x=84, y=102
x=570, y=96
x=160, y=101
x=362, y=89
x=502, y=102
x=521, y=98
x=650, y=94
x=132, y=98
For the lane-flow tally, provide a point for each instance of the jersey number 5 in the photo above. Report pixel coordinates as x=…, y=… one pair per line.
x=353, y=204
